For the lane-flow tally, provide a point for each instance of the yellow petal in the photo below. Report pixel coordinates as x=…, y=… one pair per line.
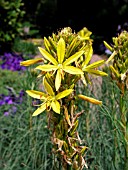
x=108, y=46
x=97, y=72
x=63, y=94
x=114, y=71
x=40, y=110
x=94, y=65
x=30, y=62
x=88, y=55
x=71, y=46
x=36, y=94
x=48, y=88
x=111, y=57
x=47, y=67
x=47, y=44
x=73, y=58
x=58, y=80
x=48, y=56
x=72, y=70
x=89, y=99
x=61, y=50
x=55, y=106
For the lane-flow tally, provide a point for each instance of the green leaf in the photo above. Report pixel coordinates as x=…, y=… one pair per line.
x=61, y=50
x=58, y=80
x=55, y=106
x=30, y=62
x=48, y=56
x=40, y=109
x=63, y=94
x=72, y=70
x=36, y=94
x=73, y=58
x=48, y=88
x=47, y=67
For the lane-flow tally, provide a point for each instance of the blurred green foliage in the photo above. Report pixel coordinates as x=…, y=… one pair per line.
x=11, y=17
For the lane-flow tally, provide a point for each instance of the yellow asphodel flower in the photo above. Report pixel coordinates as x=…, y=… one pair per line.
x=90, y=99
x=59, y=65
x=50, y=100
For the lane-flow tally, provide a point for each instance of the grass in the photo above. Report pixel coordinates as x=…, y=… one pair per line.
x=25, y=140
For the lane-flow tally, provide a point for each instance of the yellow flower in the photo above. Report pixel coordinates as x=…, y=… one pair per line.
x=59, y=65
x=50, y=100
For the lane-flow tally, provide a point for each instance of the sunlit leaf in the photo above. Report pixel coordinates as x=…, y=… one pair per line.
x=48, y=88
x=90, y=99
x=58, y=80
x=72, y=70
x=30, y=62
x=47, y=67
x=73, y=58
x=48, y=56
x=55, y=106
x=63, y=94
x=40, y=110
x=36, y=94
x=61, y=50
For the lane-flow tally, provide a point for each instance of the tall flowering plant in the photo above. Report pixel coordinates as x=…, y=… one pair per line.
x=65, y=61
x=119, y=73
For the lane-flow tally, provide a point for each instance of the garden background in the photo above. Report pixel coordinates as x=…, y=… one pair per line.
x=24, y=141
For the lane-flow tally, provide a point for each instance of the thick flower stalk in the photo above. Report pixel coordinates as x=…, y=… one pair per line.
x=119, y=74
x=65, y=60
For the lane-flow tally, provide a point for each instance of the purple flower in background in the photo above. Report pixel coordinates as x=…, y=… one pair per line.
x=12, y=99
x=11, y=61
x=6, y=113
